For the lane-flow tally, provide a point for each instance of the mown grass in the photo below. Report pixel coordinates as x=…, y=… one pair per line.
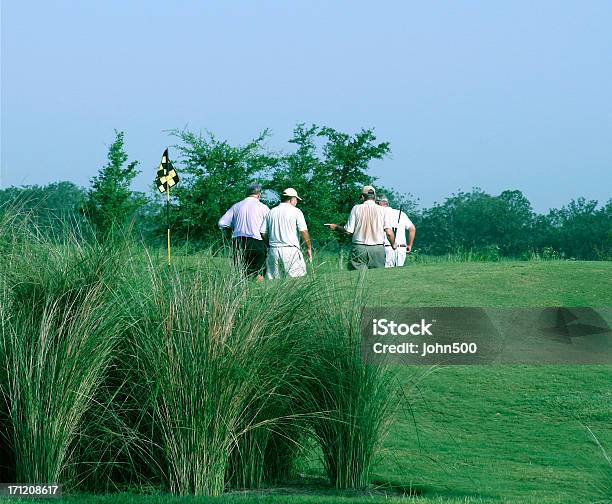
x=304, y=499
x=289, y=498
x=515, y=432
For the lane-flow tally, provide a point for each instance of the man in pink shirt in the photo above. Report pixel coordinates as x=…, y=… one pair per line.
x=245, y=219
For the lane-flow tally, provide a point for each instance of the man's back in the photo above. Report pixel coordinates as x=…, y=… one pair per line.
x=400, y=223
x=283, y=224
x=367, y=222
x=245, y=218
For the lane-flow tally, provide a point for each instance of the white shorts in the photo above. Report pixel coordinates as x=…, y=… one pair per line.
x=395, y=257
x=285, y=261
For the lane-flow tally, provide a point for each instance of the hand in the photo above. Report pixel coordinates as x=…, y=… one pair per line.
x=408, y=249
x=333, y=227
x=309, y=254
x=394, y=246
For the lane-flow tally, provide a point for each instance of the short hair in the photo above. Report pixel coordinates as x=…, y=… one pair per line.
x=253, y=189
x=370, y=195
x=285, y=197
x=382, y=198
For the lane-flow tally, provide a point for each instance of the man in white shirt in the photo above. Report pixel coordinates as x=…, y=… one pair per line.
x=282, y=228
x=244, y=219
x=400, y=223
x=368, y=223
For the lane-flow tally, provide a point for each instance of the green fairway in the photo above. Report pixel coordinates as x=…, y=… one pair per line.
x=475, y=434
x=292, y=497
x=506, y=283
x=503, y=431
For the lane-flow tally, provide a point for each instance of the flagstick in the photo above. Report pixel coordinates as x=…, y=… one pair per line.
x=168, y=218
x=165, y=175
x=395, y=255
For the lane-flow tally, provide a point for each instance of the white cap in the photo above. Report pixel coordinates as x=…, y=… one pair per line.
x=368, y=189
x=290, y=191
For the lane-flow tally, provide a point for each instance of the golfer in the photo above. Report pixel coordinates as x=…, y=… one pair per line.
x=368, y=223
x=245, y=219
x=400, y=222
x=282, y=228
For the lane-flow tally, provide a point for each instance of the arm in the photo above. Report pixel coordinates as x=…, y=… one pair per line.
x=226, y=219
x=388, y=227
x=411, y=235
x=263, y=230
x=303, y=230
x=338, y=227
x=391, y=236
x=306, y=239
x=350, y=224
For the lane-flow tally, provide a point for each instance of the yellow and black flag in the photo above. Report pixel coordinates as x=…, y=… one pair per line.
x=166, y=178
x=166, y=174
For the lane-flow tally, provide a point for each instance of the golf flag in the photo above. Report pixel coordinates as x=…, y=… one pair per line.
x=166, y=178
x=166, y=174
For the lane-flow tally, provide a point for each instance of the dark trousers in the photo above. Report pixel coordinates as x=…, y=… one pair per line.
x=249, y=254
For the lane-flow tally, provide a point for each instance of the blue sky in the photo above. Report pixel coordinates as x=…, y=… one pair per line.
x=500, y=95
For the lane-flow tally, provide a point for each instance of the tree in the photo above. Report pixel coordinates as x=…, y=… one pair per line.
x=346, y=162
x=329, y=179
x=304, y=170
x=478, y=221
x=110, y=201
x=300, y=168
x=406, y=201
x=215, y=175
x=513, y=218
x=579, y=230
x=49, y=207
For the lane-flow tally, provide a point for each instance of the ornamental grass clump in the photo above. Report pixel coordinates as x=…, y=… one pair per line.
x=58, y=330
x=220, y=357
x=358, y=398
x=117, y=370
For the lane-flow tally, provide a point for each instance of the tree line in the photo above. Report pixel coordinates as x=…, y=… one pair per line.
x=327, y=167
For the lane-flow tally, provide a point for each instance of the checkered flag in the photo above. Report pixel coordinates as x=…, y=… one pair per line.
x=166, y=174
